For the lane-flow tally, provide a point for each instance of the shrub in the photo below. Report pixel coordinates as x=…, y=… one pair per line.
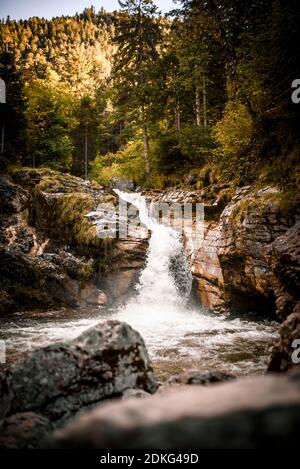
x=127, y=162
x=234, y=131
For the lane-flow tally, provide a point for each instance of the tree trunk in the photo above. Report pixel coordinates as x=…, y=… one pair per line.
x=86, y=149
x=198, y=108
x=197, y=98
x=204, y=102
x=177, y=118
x=146, y=149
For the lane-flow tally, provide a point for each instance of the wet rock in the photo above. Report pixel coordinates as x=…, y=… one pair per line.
x=199, y=377
x=207, y=271
x=285, y=262
x=255, y=412
x=248, y=228
x=23, y=280
x=118, y=283
x=24, y=431
x=25, y=239
x=190, y=180
x=76, y=267
x=127, y=260
x=62, y=379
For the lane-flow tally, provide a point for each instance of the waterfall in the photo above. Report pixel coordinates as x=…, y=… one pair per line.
x=166, y=280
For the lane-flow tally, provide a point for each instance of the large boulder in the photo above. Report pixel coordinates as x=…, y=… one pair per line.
x=255, y=412
x=59, y=380
x=284, y=255
x=249, y=225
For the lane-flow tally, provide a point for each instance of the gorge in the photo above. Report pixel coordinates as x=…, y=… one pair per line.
x=179, y=333
x=187, y=305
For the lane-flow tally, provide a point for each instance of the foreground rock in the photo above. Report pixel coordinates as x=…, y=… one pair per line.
x=60, y=380
x=247, y=413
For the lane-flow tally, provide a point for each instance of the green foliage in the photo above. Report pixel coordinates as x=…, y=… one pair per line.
x=127, y=162
x=196, y=144
x=13, y=113
x=168, y=154
x=205, y=93
x=71, y=210
x=235, y=130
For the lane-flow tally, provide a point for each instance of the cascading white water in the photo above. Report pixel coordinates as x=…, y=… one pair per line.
x=166, y=281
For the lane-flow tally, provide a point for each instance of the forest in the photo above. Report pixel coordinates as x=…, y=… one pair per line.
x=201, y=95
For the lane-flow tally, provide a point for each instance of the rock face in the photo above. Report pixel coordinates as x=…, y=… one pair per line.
x=256, y=412
x=122, y=184
x=235, y=266
x=250, y=227
x=62, y=379
x=50, y=253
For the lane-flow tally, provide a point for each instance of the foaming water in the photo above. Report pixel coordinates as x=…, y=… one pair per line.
x=177, y=336
x=165, y=282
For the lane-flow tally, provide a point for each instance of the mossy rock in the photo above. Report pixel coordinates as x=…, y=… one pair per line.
x=70, y=211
